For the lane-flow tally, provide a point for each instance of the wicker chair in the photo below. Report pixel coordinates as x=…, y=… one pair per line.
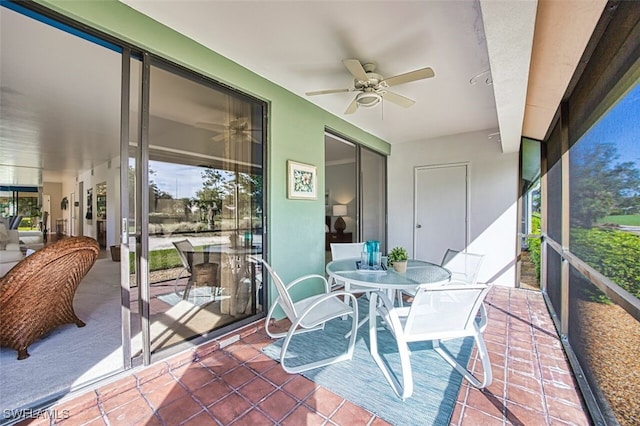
x=36, y=295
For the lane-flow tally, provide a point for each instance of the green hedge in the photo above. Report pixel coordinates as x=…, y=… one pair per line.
x=534, y=243
x=613, y=253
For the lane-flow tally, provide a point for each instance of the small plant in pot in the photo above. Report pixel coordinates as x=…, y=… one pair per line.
x=397, y=258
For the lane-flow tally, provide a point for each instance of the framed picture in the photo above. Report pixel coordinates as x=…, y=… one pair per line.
x=302, y=181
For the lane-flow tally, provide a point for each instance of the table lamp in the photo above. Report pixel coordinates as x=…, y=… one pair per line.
x=340, y=210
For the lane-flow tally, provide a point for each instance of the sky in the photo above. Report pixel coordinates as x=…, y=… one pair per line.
x=620, y=126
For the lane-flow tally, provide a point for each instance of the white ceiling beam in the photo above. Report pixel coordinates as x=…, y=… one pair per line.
x=509, y=28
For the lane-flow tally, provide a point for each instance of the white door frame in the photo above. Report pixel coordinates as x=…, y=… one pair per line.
x=416, y=171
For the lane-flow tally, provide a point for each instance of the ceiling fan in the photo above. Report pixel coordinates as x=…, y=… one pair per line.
x=372, y=88
x=239, y=127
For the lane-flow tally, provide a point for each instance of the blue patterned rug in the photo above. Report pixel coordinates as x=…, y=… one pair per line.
x=436, y=383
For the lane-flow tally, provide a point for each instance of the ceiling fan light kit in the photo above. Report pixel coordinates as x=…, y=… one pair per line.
x=372, y=88
x=368, y=99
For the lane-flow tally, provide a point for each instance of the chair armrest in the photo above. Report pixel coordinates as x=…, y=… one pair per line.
x=307, y=277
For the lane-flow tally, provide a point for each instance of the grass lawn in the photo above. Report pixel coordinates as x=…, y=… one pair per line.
x=623, y=219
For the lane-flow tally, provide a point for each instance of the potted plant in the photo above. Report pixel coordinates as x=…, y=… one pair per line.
x=398, y=258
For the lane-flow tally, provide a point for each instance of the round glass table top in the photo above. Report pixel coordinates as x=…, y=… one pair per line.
x=418, y=272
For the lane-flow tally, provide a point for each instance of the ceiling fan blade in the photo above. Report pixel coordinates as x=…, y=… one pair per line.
x=326, y=92
x=398, y=99
x=353, y=106
x=355, y=68
x=219, y=138
x=410, y=76
x=211, y=126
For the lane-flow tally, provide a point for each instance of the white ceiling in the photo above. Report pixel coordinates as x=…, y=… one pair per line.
x=300, y=45
x=49, y=98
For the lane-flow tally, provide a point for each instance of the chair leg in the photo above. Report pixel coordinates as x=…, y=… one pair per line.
x=484, y=357
x=404, y=390
x=347, y=355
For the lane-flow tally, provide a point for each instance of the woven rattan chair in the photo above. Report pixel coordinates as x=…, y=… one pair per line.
x=36, y=295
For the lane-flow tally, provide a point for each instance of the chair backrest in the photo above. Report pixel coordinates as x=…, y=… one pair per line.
x=183, y=246
x=444, y=309
x=285, y=299
x=464, y=266
x=346, y=250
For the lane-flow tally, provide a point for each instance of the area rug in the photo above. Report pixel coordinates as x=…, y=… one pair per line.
x=436, y=383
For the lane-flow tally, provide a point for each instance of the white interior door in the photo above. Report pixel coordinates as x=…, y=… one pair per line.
x=441, y=211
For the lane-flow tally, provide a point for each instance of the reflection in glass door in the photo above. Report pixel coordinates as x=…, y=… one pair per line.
x=202, y=189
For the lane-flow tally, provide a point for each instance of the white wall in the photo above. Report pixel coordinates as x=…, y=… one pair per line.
x=493, y=197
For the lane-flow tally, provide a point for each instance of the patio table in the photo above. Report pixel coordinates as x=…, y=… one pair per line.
x=418, y=272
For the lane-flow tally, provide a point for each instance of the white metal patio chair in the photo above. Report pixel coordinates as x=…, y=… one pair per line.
x=464, y=267
x=310, y=314
x=437, y=313
x=345, y=251
x=201, y=272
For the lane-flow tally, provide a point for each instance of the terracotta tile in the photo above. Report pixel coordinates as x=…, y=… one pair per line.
x=121, y=399
x=351, y=414
x=78, y=417
x=323, y=401
x=517, y=379
x=79, y=403
x=519, y=415
x=182, y=359
x=116, y=388
x=130, y=413
x=197, y=376
x=486, y=402
x=212, y=392
x=525, y=368
x=220, y=363
x=558, y=376
x=206, y=350
x=456, y=414
x=303, y=416
x=164, y=394
x=229, y=408
x=277, y=405
x=152, y=372
x=156, y=382
x=300, y=387
x=179, y=410
x=253, y=418
x=245, y=353
x=562, y=392
x=201, y=419
x=526, y=398
x=473, y=417
x=239, y=376
x=568, y=412
x=256, y=389
x=278, y=376
x=261, y=363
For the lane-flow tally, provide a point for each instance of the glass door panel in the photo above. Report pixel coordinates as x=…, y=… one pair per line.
x=204, y=208
x=373, y=180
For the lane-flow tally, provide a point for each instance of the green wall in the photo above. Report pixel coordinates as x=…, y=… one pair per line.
x=295, y=227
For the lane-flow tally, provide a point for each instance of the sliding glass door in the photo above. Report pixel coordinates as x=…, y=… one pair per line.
x=196, y=169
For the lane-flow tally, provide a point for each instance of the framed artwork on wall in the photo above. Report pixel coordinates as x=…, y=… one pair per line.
x=302, y=181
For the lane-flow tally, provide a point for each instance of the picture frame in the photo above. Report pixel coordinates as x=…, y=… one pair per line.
x=302, y=181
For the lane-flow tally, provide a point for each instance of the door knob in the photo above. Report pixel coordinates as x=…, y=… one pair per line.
x=418, y=226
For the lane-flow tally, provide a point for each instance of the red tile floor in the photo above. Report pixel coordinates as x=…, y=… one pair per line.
x=236, y=384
